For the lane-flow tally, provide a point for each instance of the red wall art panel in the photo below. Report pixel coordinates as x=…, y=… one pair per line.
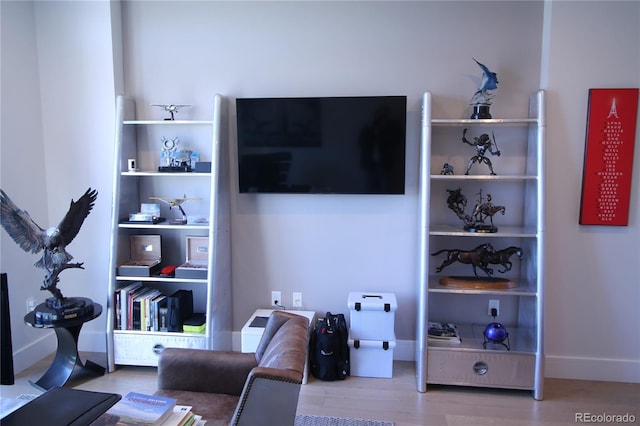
x=608, y=158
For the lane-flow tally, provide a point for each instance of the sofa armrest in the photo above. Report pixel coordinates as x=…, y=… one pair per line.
x=270, y=397
x=199, y=370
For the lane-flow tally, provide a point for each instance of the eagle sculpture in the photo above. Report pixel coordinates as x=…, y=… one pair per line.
x=51, y=241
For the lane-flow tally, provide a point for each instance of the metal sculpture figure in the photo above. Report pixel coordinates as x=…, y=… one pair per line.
x=482, y=144
x=171, y=109
x=476, y=258
x=51, y=241
x=480, y=257
x=176, y=202
x=501, y=257
x=475, y=222
x=489, y=82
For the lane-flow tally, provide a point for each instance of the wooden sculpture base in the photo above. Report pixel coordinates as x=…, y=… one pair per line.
x=485, y=283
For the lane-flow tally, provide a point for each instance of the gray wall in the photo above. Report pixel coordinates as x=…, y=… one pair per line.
x=326, y=246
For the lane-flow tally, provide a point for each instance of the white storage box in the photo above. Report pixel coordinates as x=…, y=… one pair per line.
x=371, y=358
x=372, y=315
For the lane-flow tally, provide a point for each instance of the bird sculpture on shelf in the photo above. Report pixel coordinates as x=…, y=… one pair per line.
x=171, y=109
x=176, y=202
x=51, y=241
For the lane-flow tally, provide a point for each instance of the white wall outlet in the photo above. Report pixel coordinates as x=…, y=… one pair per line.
x=32, y=302
x=276, y=298
x=493, y=304
x=297, y=299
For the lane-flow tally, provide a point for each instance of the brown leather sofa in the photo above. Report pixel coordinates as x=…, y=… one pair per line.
x=234, y=388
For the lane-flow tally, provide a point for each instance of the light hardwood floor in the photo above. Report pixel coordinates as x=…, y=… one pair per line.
x=397, y=399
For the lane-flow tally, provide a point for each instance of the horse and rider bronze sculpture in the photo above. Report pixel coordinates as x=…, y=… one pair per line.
x=484, y=208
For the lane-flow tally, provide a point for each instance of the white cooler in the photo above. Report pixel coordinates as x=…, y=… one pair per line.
x=372, y=315
x=371, y=358
x=372, y=336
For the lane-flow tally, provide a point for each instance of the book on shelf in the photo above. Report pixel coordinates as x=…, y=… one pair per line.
x=443, y=332
x=138, y=307
x=138, y=409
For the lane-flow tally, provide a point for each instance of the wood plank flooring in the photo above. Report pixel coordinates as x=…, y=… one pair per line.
x=397, y=399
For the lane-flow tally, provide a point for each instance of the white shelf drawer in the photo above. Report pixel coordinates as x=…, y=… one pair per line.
x=481, y=368
x=145, y=349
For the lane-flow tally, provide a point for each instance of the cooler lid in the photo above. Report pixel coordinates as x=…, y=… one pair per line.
x=145, y=247
x=372, y=301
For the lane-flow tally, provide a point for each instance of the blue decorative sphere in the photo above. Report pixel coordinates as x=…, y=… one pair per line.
x=496, y=332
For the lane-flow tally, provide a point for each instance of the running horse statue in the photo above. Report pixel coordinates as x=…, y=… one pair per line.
x=480, y=257
x=477, y=258
x=501, y=257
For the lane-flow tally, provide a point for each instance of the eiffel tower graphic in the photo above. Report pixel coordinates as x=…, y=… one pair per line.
x=613, y=112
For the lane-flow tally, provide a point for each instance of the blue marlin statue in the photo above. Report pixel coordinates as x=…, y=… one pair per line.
x=489, y=82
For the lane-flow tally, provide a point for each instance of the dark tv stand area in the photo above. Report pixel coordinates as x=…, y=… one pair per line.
x=67, y=360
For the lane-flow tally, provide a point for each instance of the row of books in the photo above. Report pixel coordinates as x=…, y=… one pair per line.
x=138, y=307
x=141, y=409
x=443, y=332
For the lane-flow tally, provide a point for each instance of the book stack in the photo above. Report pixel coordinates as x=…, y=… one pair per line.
x=195, y=324
x=148, y=410
x=443, y=332
x=140, y=308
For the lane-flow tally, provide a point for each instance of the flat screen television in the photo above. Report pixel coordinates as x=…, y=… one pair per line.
x=322, y=145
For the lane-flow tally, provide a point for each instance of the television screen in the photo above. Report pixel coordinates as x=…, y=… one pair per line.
x=322, y=145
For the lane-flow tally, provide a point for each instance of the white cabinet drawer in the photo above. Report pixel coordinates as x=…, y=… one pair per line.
x=141, y=349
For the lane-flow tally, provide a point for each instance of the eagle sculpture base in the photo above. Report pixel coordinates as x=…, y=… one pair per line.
x=54, y=310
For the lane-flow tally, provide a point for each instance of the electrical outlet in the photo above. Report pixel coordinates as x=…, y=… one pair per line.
x=297, y=299
x=31, y=304
x=276, y=298
x=493, y=304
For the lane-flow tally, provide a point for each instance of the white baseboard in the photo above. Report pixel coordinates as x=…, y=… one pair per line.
x=27, y=356
x=560, y=367
x=600, y=369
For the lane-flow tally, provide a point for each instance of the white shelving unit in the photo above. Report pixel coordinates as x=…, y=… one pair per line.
x=141, y=139
x=519, y=186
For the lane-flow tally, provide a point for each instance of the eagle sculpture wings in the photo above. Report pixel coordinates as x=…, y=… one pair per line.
x=51, y=241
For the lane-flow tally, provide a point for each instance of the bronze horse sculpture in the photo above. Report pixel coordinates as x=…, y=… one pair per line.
x=501, y=257
x=476, y=258
x=481, y=257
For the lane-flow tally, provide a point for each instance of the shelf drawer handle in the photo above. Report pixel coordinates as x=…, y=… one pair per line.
x=158, y=348
x=480, y=368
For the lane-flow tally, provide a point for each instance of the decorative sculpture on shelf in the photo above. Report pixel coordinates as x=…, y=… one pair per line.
x=482, y=144
x=52, y=242
x=171, y=109
x=176, y=202
x=481, y=100
x=447, y=169
x=496, y=333
x=484, y=208
x=481, y=258
x=174, y=160
x=477, y=258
